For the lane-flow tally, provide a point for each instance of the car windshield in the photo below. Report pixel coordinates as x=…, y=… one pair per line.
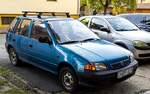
x=138, y=19
x=121, y=24
x=70, y=31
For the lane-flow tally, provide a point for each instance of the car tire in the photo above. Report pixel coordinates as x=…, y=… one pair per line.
x=68, y=79
x=14, y=58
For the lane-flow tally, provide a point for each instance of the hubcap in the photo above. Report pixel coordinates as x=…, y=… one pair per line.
x=13, y=57
x=68, y=80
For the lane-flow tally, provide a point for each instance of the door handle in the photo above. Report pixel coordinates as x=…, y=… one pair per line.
x=30, y=46
x=13, y=40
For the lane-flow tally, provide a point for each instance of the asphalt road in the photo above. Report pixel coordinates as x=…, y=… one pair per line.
x=138, y=84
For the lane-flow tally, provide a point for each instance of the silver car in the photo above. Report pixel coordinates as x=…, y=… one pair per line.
x=121, y=32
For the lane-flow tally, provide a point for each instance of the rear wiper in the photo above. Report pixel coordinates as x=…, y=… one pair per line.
x=68, y=42
x=90, y=39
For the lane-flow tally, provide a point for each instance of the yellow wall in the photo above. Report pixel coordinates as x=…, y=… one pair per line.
x=11, y=8
x=16, y=6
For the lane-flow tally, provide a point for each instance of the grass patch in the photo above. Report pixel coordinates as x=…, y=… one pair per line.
x=3, y=82
x=4, y=72
x=15, y=91
x=17, y=84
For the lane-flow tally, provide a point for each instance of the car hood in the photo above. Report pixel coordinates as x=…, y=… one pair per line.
x=98, y=51
x=136, y=35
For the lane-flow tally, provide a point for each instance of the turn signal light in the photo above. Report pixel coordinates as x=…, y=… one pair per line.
x=90, y=67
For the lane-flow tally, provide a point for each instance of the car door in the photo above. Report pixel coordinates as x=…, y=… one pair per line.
x=23, y=39
x=42, y=53
x=11, y=35
x=100, y=27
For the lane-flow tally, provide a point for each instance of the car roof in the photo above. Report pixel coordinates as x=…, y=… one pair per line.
x=44, y=18
x=126, y=14
x=99, y=16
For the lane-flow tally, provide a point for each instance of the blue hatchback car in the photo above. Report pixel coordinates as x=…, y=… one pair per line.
x=67, y=48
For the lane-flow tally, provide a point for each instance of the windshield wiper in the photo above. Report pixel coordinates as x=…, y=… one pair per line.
x=90, y=39
x=122, y=30
x=68, y=42
x=134, y=29
x=127, y=29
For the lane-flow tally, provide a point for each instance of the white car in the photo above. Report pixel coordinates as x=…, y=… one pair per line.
x=121, y=32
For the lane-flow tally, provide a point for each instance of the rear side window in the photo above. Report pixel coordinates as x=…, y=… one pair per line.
x=12, y=25
x=24, y=27
x=98, y=24
x=85, y=21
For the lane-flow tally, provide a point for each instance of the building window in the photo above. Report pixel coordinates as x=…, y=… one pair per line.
x=7, y=20
x=51, y=0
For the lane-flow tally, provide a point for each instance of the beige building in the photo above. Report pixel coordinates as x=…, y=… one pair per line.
x=143, y=6
x=11, y=8
x=143, y=1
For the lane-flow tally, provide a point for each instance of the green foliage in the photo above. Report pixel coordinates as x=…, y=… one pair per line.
x=83, y=2
x=132, y=4
x=117, y=5
x=15, y=91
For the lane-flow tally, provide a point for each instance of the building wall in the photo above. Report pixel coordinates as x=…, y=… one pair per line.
x=11, y=8
x=16, y=6
x=143, y=1
x=142, y=11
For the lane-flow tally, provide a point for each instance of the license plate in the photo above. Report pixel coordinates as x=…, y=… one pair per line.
x=124, y=73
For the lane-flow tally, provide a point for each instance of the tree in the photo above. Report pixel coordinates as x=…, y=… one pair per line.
x=117, y=5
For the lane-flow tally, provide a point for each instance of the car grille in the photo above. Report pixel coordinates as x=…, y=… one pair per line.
x=120, y=64
x=144, y=55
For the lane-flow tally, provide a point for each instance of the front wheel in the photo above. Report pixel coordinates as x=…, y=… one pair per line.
x=68, y=79
x=13, y=57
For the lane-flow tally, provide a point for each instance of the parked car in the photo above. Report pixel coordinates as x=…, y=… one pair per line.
x=142, y=20
x=69, y=49
x=121, y=32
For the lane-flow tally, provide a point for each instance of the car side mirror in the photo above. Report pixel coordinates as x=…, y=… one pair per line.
x=45, y=40
x=105, y=29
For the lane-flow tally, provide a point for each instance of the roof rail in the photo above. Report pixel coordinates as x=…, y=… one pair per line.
x=39, y=14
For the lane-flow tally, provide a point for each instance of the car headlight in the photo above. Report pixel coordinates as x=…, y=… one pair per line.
x=140, y=44
x=95, y=67
x=132, y=57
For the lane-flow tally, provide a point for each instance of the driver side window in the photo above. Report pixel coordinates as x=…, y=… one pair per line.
x=98, y=24
x=39, y=30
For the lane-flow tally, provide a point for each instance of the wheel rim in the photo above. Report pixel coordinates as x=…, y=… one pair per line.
x=68, y=80
x=13, y=57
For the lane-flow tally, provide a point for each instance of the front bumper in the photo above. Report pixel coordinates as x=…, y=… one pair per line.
x=141, y=54
x=106, y=77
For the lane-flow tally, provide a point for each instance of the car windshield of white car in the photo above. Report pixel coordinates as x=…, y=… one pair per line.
x=121, y=24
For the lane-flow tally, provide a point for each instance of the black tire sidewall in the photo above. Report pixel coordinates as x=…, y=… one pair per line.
x=17, y=60
x=62, y=72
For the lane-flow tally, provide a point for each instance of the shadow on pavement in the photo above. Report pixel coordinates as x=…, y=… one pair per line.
x=143, y=62
x=36, y=77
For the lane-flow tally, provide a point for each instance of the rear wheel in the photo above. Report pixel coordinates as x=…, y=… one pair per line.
x=68, y=79
x=13, y=57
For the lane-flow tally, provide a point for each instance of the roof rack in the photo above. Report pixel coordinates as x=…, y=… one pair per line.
x=39, y=14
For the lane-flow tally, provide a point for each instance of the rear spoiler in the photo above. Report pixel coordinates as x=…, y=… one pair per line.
x=39, y=14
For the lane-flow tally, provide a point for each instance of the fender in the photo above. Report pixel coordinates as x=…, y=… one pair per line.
x=124, y=43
